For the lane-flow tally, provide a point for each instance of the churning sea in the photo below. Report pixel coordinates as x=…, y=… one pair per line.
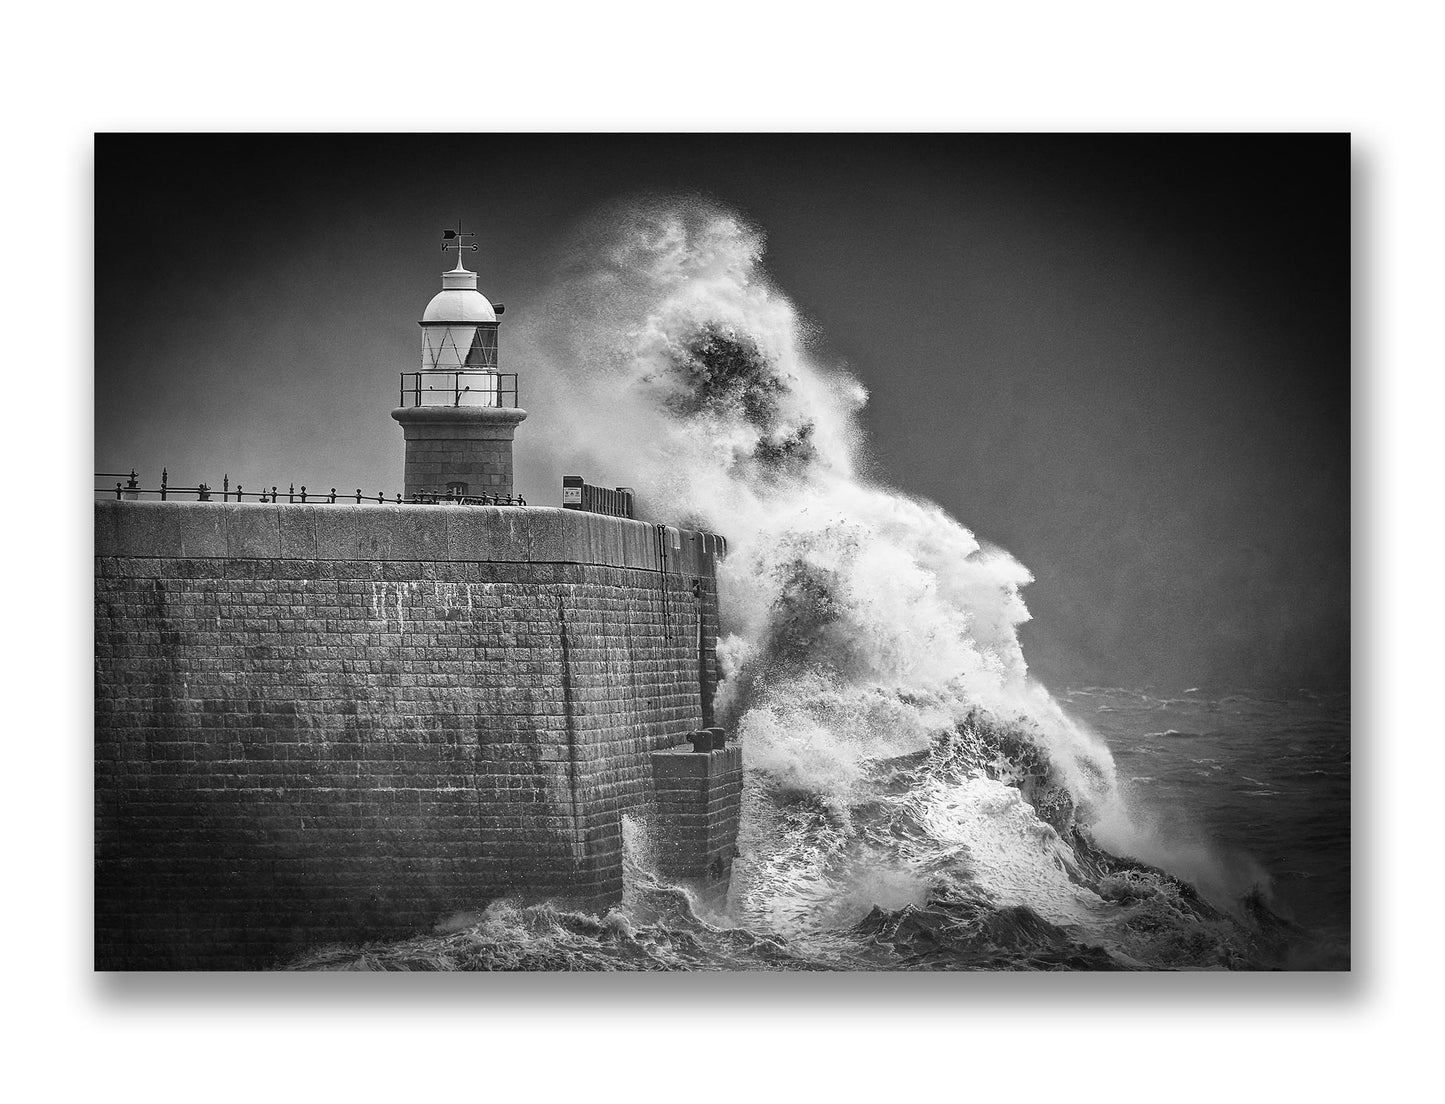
x=1264, y=777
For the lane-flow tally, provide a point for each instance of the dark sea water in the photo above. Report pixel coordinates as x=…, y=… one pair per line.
x=1265, y=777
x=972, y=855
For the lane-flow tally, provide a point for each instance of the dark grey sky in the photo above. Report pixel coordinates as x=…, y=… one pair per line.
x=1123, y=358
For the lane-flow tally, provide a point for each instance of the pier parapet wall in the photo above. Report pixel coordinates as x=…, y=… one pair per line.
x=323, y=723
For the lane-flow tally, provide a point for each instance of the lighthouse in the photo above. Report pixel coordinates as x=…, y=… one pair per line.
x=459, y=411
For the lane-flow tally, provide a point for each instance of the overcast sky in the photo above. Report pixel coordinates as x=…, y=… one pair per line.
x=1124, y=359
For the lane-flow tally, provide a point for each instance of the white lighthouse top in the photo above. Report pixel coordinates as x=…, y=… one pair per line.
x=459, y=300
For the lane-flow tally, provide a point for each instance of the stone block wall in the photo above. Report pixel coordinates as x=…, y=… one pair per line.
x=320, y=723
x=699, y=796
x=472, y=445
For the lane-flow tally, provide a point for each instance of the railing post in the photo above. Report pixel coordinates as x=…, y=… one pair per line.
x=358, y=496
x=117, y=491
x=203, y=493
x=164, y=477
x=133, y=484
x=226, y=488
x=239, y=496
x=303, y=492
x=291, y=494
x=333, y=494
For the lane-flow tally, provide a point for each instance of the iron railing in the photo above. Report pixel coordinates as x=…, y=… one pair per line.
x=445, y=498
x=128, y=488
x=462, y=387
x=132, y=489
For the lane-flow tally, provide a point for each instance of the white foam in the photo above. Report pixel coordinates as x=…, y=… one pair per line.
x=905, y=621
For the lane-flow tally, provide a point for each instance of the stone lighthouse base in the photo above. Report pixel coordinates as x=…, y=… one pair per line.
x=470, y=445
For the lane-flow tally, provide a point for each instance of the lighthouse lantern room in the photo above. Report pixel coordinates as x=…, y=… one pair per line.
x=459, y=412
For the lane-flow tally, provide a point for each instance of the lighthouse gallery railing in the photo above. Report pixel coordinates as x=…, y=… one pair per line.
x=459, y=387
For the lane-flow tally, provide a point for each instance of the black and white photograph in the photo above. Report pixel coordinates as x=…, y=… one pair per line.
x=867, y=552
x=745, y=553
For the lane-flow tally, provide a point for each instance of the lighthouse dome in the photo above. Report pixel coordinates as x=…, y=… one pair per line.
x=459, y=327
x=459, y=300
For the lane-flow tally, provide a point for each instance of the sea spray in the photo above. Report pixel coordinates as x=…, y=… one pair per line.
x=860, y=625
x=913, y=798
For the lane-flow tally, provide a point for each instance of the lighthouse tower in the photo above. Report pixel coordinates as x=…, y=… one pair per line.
x=459, y=413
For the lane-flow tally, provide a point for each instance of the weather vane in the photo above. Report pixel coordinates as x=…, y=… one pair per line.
x=452, y=239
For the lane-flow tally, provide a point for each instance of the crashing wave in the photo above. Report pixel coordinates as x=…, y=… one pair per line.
x=914, y=798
